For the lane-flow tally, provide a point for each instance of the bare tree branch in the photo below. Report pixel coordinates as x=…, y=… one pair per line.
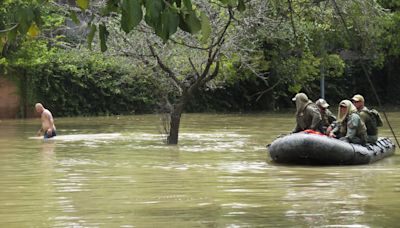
x=261, y=93
x=165, y=68
x=194, y=68
x=218, y=44
x=9, y=29
x=215, y=72
x=189, y=46
x=258, y=75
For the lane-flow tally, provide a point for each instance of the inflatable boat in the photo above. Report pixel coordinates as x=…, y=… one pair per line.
x=314, y=149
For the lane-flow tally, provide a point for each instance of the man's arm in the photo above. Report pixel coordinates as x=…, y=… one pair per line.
x=39, y=133
x=316, y=118
x=352, y=125
x=331, y=116
x=296, y=128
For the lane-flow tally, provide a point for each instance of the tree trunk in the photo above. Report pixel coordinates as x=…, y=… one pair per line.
x=174, y=124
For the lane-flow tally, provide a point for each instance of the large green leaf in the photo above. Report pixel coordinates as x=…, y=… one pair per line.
x=193, y=22
x=83, y=4
x=189, y=22
x=170, y=21
x=25, y=16
x=182, y=23
x=154, y=10
x=91, y=34
x=205, y=27
x=103, y=35
x=131, y=14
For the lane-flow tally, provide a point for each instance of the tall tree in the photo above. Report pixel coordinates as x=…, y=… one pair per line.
x=186, y=63
x=301, y=40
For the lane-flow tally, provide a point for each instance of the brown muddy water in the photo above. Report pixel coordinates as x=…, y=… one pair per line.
x=117, y=172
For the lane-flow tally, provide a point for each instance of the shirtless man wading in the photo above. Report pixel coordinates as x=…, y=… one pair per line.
x=48, y=127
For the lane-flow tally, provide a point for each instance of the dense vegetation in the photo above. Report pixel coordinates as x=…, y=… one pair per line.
x=271, y=51
x=80, y=82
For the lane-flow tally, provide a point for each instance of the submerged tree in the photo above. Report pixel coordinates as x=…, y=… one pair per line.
x=185, y=64
x=162, y=17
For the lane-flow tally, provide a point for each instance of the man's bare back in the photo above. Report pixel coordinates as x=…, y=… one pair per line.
x=48, y=128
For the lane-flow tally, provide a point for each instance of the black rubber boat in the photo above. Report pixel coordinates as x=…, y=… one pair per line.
x=313, y=149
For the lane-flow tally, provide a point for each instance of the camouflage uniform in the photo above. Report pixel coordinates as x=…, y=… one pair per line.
x=307, y=114
x=351, y=128
x=327, y=119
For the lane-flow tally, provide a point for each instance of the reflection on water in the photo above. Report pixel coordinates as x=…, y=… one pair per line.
x=117, y=172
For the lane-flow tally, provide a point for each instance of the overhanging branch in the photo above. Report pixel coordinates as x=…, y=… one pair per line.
x=9, y=29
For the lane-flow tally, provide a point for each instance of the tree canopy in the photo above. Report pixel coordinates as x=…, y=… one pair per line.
x=271, y=50
x=21, y=17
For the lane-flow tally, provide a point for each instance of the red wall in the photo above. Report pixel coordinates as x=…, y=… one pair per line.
x=9, y=99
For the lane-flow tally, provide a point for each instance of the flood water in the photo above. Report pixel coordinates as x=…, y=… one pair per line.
x=117, y=172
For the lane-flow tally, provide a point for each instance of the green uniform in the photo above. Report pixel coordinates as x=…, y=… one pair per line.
x=370, y=123
x=327, y=119
x=308, y=118
x=353, y=129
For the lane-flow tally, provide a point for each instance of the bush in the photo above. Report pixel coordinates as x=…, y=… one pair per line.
x=79, y=82
x=83, y=84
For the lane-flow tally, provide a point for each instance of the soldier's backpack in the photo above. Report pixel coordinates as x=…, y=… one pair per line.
x=375, y=115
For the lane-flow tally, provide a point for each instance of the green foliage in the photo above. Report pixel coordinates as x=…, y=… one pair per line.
x=103, y=35
x=131, y=14
x=394, y=5
x=164, y=17
x=95, y=86
x=90, y=37
x=333, y=65
x=169, y=25
x=83, y=4
x=299, y=71
x=205, y=27
x=280, y=56
x=26, y=20
x=16, y=19
x=391, y=37
x=81, y=83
